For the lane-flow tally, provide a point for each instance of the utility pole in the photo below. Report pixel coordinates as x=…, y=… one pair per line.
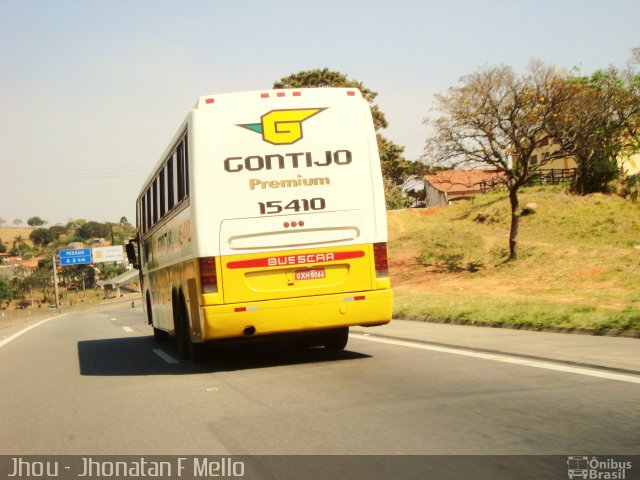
x=55, y=282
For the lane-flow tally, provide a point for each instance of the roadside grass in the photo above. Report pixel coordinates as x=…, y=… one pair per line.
x=577, y=266
x=536, y=314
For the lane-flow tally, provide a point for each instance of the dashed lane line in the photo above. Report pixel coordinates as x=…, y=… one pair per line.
x=165, y=356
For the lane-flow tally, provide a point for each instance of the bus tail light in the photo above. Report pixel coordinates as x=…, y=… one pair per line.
x=354, y=298
x=380, y=259
x=208, y=276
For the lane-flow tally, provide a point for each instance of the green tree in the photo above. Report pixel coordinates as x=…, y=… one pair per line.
x=121, y=233
x=74, y=275
x=110, y=270
x=394, y=165
x=57, y=231
x=320, y=78
x=41, y=236
x=25, y=282
x=498, y=118
x=598, y=125
x=94, y=230
x=36, y=222
x=73, y=225
x=395, y=197
x=20, y=247
x=5, y=291
x=42, y=279
x=19, y=283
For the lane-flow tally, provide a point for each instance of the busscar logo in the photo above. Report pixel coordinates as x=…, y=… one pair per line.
x=282, y=127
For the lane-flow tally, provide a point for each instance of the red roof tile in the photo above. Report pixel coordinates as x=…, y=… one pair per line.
x=462, y=181
x=31, y=263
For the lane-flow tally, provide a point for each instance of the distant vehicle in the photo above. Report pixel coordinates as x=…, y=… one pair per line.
x=53, y=307
x=265, y=216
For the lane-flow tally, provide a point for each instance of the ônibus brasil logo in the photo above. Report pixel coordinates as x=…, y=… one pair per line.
x=282, y=127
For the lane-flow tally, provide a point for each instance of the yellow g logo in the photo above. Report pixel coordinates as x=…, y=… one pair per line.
x=282, y=127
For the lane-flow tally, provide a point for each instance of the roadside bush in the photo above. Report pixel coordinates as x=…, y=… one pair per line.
x=395, y=198
x=629, y=187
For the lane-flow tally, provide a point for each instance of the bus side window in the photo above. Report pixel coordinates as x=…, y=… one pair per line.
x=148, y=222
x=154, y=187
x=186, y=165
x=163, y=197
x=143, y=213
x=170, y=183
x=181, y=192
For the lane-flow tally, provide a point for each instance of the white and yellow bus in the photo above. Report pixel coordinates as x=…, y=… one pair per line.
x=266, y=216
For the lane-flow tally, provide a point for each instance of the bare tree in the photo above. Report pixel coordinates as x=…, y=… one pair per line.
x=635, y=57
x=498, y=118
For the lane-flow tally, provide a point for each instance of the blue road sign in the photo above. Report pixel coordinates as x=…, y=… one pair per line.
x=76, y=256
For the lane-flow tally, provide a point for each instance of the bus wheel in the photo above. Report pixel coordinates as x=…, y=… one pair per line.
x=337, y=339
x=196, y=351
x=160, y=335
x=182, y=332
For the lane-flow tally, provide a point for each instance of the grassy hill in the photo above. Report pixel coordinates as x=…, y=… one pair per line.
x=578, y=265
x=8, y=234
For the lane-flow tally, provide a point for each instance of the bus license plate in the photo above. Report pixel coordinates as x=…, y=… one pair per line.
x=310, y=274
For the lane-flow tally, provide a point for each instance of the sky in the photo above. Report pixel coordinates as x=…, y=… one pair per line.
x=92, y=91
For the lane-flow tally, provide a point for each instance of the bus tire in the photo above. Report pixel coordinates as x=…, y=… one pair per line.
x=337, y=339
x=196, y=351
x=160, y=335
x=181, y=324
x=149, y=311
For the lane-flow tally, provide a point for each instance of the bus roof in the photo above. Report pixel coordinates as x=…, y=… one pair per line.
x=286, y=92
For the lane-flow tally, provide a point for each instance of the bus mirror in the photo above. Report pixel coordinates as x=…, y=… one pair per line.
x=131, y=253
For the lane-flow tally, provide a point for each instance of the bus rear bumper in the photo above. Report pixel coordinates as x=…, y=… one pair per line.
x=298, y=314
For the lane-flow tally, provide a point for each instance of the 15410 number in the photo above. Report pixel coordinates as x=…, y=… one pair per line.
x=302, y=205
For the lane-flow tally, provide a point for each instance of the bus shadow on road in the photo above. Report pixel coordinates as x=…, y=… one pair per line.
x=140, y=356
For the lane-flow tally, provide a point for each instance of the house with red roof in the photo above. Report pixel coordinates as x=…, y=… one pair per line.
x=449, y=186
x=32, y=263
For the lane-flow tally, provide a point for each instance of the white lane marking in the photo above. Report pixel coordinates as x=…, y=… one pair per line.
x=17, y=334
x=113, y=319
x=165, y=356
x=620, y=377
x=128, y=329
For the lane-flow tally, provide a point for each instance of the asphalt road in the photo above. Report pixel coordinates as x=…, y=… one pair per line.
x=96, y=382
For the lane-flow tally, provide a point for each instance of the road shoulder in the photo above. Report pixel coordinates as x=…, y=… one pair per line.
x=612, y=353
